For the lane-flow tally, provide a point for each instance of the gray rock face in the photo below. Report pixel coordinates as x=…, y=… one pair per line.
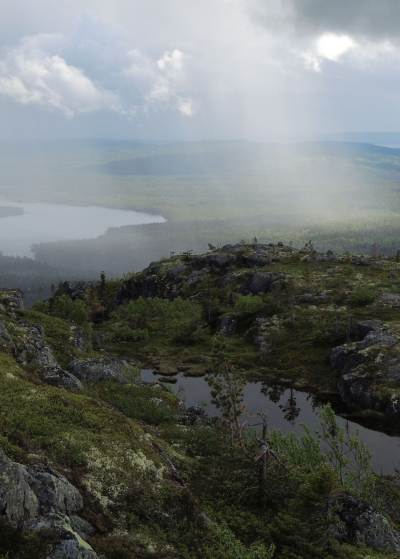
x=98, y=369
x=37, y=353
x=263, y=282
x=12, y=300
x=6, y=342
x=358, y=523
x=35, y=499
x=61, y=378
x=27, y=493
x=390, y=299
x=72, y=549
x=55, y=492
x=18, y=501
x=367, y=366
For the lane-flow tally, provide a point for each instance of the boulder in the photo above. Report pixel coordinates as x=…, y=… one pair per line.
x=35, y=352
x=98, y=369
x=12, y=300
x=55, y=493
x=358, y=523
x=72, y=548
x=18, y=501
x=370, y=369
x=390, y=299
x=263, y=282
x=6, y=341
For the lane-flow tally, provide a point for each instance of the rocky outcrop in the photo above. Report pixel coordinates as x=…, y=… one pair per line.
x=98, y=369
x=390, y=299
x=34, y=498
x=32, y=350
x=6, y=341
x=370, y=369
x=18, y=501
x=358, y=523
x=263, y=282
x=11, y=300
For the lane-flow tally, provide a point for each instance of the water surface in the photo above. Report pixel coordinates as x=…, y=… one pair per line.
x=287, y=410
x=41, y=223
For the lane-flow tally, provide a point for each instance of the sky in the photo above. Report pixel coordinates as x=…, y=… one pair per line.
x=188, y=69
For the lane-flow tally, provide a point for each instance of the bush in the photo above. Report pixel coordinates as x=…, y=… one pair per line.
x=69, y=309
x=361, y=297
x=248, y=304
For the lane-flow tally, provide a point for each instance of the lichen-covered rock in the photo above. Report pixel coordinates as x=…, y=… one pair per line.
x=32, y=350
x=370, y=369
x=72, y=549
x=55, y=492
x=37, y=499
x=12, y=300
x=263, y=282
x=358, y=523
x=390, y=299
x=6, y=341
x=69, y=544
x=18, y=501
x=97, y=369
x=56, y=376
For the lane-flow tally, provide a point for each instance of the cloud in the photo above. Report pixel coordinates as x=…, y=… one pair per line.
x=374, y=19
x=29, y=76
x=171, y=61
x=37, y=71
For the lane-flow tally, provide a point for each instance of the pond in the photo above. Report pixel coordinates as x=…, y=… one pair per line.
x=287, y=410
x=41, y=223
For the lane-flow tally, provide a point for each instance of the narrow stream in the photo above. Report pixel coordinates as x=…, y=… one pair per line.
x=287, y=410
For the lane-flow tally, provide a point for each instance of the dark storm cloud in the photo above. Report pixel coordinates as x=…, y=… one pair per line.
x=379, y=19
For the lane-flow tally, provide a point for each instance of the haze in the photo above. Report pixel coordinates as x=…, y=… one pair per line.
x=181, y=69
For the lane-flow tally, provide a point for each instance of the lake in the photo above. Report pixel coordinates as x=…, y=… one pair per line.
x=42, y=223
x=287, y=410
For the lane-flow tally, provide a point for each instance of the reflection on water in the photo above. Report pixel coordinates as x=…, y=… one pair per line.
x=42, y=223
x=287, y=410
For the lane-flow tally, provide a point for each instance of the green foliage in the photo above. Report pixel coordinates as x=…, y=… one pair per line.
x=69, y=309
x=227, y=546
x=248, y=305
x=301, y=529
x=17, y=545
x=362, y=296
x=175, y=320
x=348, y=455
x=138, y=402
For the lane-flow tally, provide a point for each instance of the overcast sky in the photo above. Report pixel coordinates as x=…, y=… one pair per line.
x=198, y=69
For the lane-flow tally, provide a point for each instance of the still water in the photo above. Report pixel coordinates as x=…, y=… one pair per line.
x=287, y=410
x=42, y=223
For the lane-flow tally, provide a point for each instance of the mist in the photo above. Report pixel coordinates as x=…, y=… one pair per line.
x=230, y=119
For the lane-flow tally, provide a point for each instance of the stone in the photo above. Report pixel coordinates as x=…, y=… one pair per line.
x=390, y=299
x=98, y=369
x=6, y=341
x=358, y=523
x=18, y=501
x=56, y=376
x=263, y=282
x=368, y=365
x=72, y=549
x=55, y=493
